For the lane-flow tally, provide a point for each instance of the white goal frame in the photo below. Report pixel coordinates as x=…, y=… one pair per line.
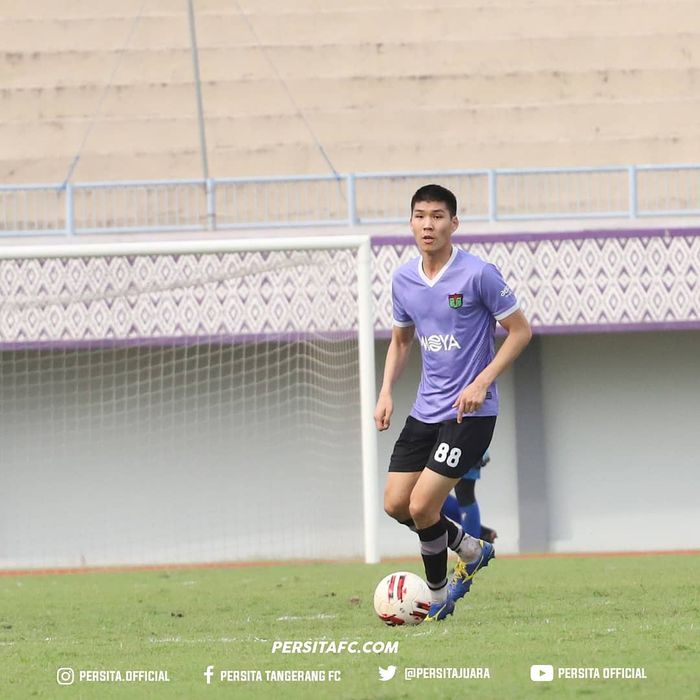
x=365, y=311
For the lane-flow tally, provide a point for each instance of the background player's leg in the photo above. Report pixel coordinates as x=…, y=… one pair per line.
x=451, y=509
x=469, y=507
x=469, y=511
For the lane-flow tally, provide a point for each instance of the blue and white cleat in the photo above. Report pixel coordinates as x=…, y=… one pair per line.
x=439, y=611
x=461, y=580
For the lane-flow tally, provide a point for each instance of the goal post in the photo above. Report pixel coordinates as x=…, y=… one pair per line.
x=136, y=377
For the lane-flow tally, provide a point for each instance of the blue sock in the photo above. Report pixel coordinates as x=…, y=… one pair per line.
x=451, y=509
x=471, y=519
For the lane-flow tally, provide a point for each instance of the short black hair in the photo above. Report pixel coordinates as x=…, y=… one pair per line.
x=435, y=193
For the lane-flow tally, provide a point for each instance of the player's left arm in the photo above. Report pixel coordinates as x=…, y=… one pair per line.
x=519, y=334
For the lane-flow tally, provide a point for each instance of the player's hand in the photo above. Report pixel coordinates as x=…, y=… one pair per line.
x=383, y=411
x=470, y=400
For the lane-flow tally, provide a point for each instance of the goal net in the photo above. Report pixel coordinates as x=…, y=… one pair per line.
x=165, y=404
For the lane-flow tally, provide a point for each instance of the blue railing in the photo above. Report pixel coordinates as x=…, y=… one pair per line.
x=634, y=191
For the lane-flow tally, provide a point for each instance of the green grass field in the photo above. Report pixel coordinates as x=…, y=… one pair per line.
x=574, y=612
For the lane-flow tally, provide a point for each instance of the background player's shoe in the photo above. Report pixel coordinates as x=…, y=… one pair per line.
x=488, y=534
x=439, y=611
x=463, y=575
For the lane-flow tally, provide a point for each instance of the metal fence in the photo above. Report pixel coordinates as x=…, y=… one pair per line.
x=633, y=192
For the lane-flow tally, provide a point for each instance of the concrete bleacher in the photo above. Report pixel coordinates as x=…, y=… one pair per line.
x=392, y=85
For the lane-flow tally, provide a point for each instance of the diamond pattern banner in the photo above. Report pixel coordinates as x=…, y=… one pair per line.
x=177, y=296
x=566, y=282
x=579, y=282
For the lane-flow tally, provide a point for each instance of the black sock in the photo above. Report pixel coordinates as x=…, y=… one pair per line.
x=455, y=533
x=433, y=550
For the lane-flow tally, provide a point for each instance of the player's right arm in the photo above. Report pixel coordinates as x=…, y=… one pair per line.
x=396, y=360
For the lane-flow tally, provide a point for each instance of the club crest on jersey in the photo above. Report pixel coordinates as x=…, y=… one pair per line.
x=455, y=301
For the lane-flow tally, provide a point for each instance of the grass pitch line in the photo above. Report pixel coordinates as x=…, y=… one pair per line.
x=312, y=562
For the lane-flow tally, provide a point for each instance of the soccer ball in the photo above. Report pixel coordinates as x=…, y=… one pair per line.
x=402, y=598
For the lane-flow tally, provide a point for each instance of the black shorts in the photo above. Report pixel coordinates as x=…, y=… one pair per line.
x=448, y=448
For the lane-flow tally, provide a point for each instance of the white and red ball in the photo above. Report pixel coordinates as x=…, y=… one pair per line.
x=402, y=598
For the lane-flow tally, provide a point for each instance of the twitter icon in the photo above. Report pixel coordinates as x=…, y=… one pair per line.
x=386, y=674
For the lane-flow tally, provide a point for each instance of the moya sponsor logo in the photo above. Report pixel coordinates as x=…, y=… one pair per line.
x=439, y=343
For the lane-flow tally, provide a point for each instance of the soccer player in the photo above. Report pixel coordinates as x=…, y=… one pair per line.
x=451, y=300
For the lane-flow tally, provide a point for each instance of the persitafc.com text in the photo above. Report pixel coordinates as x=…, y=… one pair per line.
x=324, y=646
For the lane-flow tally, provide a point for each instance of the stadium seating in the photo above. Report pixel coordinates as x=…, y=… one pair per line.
x=394, y=85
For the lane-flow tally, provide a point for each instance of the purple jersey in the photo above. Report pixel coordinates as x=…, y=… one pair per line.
x=455, y=317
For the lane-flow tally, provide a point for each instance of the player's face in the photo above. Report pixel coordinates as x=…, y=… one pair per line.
x=432, y=226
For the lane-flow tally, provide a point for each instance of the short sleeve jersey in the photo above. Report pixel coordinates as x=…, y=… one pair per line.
x=455, y=316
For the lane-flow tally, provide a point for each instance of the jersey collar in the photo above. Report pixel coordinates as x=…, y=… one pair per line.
x=443, y=270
